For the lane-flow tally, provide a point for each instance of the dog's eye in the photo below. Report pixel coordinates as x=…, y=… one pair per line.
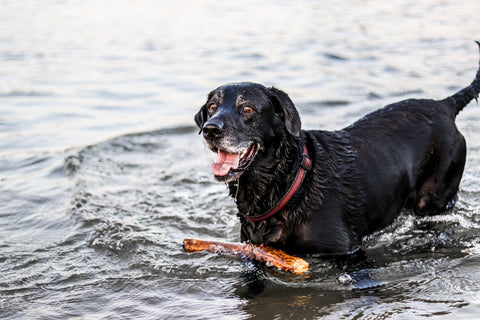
x=212, y=107
x=248, y=110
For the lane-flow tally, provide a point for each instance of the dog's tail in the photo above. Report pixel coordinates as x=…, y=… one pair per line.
x=460, y=99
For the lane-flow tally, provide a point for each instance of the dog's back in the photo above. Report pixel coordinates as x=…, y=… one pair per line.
x=411, y=154
x=408, y=153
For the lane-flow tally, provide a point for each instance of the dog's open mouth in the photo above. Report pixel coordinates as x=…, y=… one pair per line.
x=226, y=162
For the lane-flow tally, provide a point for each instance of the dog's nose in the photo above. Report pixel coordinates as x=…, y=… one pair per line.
x=212, y=129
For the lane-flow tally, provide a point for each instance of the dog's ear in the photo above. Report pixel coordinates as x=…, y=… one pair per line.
x=201, y=117
x=290, y=114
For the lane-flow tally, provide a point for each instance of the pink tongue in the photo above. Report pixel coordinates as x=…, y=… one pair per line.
x=224, y=162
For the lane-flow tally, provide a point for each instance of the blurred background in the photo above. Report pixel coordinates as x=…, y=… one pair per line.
x=102, y=174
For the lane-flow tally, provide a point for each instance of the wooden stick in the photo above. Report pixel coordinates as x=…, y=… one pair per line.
x=269, y=255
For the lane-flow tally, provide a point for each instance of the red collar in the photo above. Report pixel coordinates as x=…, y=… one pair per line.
x=305, y=166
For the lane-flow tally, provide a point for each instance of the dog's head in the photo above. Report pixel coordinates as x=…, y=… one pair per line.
x=240, y=120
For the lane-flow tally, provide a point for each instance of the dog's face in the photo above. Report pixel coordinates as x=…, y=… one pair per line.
x=239, y=120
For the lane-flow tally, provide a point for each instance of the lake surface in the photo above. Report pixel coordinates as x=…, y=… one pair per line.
x=102, y=173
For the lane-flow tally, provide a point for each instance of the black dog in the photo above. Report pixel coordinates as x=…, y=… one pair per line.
x=320, y=192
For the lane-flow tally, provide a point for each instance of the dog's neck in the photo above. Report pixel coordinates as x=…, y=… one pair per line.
x=262, y=187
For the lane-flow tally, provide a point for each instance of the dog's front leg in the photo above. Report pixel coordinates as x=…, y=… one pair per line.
x=268, y=232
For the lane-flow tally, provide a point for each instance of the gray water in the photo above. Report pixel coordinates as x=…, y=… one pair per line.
x=102, y=173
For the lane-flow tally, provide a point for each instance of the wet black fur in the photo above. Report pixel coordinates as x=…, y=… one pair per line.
x=407, y=154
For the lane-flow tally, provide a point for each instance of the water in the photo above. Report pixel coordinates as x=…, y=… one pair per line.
x=103, y=175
